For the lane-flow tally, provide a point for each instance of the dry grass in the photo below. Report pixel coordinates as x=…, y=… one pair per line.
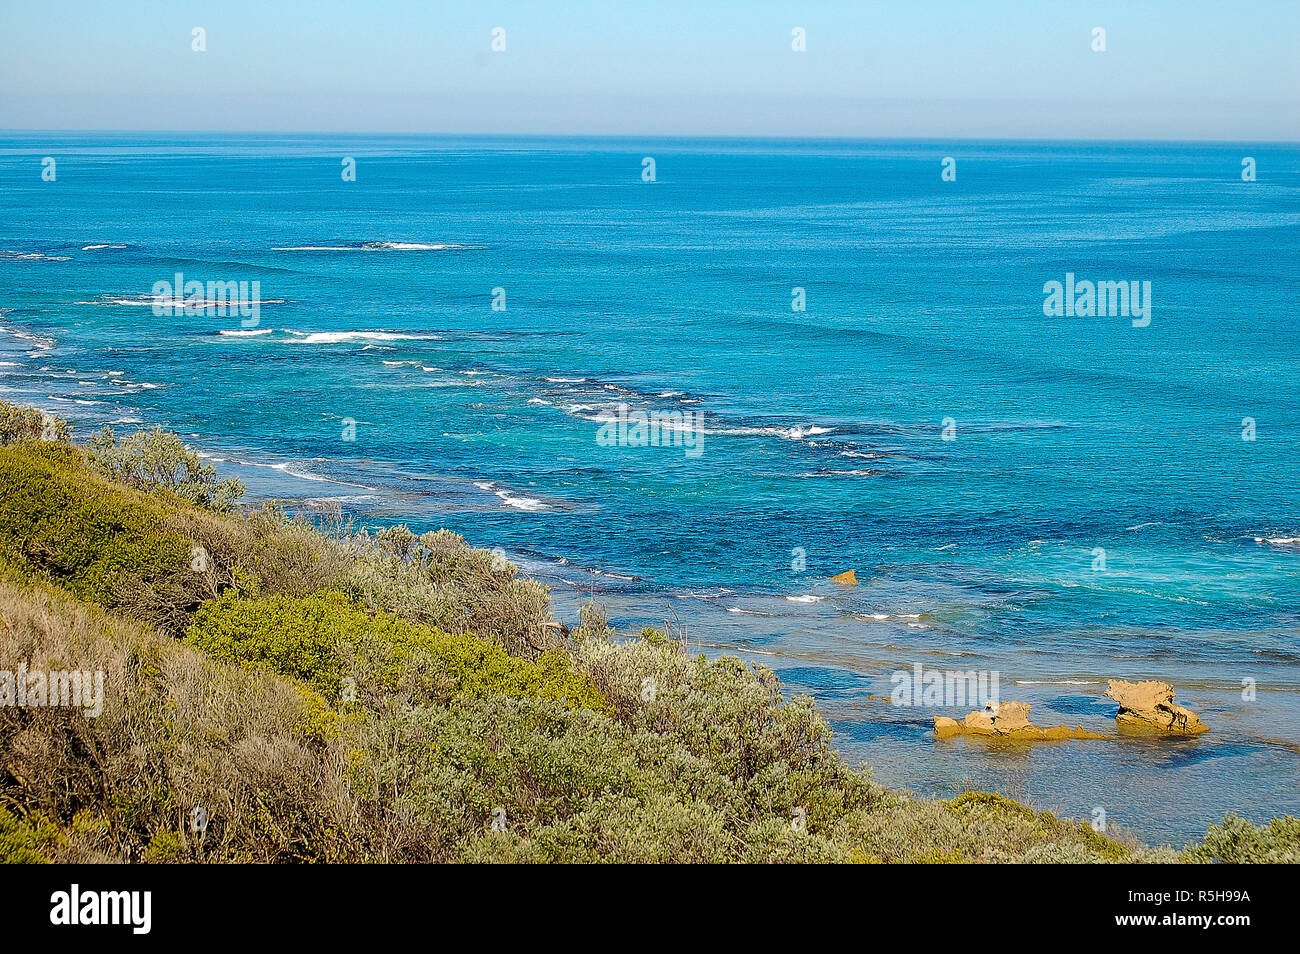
x=176, y=731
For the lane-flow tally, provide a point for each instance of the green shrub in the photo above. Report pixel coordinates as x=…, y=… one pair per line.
x=440, y=580
x=30, y=424
x=26, y=841
x=299, y=638
x=971, y=802
x=1079, y=838
x=1237, y=841
x=164, y=847
x=1050, y=853
x=103, y=542
x=321, y=639
x=159, y=458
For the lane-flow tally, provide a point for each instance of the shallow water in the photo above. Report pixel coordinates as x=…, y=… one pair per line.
x=823, y=432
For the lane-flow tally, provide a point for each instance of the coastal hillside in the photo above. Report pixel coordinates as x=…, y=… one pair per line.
x=284, y=689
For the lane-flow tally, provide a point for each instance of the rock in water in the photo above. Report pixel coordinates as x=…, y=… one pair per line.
x=847, y=578
x=1150, y=705
x=1009, y=720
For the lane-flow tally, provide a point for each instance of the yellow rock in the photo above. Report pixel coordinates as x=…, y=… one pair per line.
x=1150, y=705
x=946, y=728
x=847, y=578
x=1009, y=720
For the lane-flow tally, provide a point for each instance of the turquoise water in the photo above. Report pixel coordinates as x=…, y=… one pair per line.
x=823, y=429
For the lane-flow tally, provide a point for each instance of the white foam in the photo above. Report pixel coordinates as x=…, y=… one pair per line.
x=530, y=504
x=812, y=430
x=293, y=468
x=369, y=247
x=82, y=402
x=170, y=302
x=840, y=473
x=798, y=433
x=39, y=342
x=338, y=337
x=34, y=256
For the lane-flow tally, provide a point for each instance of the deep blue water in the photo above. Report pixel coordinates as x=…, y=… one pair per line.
x=823, y=428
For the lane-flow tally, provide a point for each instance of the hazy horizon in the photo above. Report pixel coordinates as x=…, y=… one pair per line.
x=629, y=137
x=1007, y=69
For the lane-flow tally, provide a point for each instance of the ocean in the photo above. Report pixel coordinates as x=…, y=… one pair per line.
x=856, y=347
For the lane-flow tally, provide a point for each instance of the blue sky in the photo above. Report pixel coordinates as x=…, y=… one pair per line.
x=1173, y=69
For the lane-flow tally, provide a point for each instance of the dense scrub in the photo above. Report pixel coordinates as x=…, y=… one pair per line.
x=105, y=543
x=348, y=697
x=333, y=645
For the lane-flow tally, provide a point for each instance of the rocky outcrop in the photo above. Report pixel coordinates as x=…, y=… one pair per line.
x=1150, y=705
x=1009, y=720
x=847, y=578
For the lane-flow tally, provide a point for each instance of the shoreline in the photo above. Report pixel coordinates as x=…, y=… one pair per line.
x=909, y=729
x=630, y=612
x=790, y=633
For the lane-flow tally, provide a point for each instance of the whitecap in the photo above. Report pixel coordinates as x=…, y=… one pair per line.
x=293, y=468
x=370, y=247
x=338, y=337
x=510, y=500
x=841, y=473
x=33, y=256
